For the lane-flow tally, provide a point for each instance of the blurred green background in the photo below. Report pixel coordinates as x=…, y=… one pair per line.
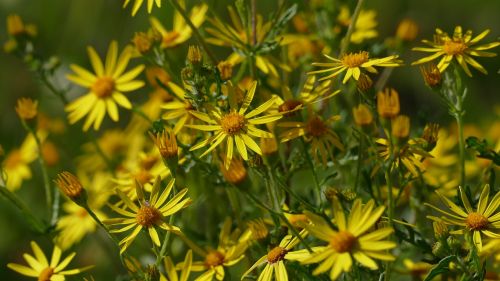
x=66, y=27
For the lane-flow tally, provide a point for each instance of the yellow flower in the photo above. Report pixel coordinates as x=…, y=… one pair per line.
x=408, y=154
x=171, y=269
x=484, y=220
x=401, y=126
x=407, y=30
x=460, y=46
x=354, y=239
x=236, y=126
x=388, y=103
x=26, y=108
x=316, y=131
x=230, y=251
x=43, y=270
x=105, y=87
x=365, y=24
x=112, y=143
x=178, y=109
x=16, y=162
x=362, y=115
x=138, y=3
x=353, y=63
x=16, y=26
x=492, y=248
x=275, y=259
x=417, y=269
x=150, y=213
x=180, y=32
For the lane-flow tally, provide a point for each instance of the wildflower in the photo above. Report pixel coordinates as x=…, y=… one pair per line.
x=236, y=173
x=430, y=135
x=365, y=24
x=432, y=76
x=236, y=126
x=142, y=42
x=225, y=69
x=409, y=154
x=41, y=268
x=16, y=26
x=150, y=213
x=352, y=64
x=194, y=55
x=362, y=115
x=388, y=103
x=258, y=228
x=364, y=83
x=50, y=154
x=112, y=143
x=417, y=269
x=71, y=186
x=401, y=126
x=26, y=108
x=171, y=271
x=275, y=259
x=178, y=109
x=316, y=131
x=492, y=248
x=441, y=231
x=167, y=146
x=105, y=87
x=230, y=251
x=180, y=32
x=269, y=146
x=138, y=3
x=483, y=220
x=460, y=46
x=407, y=30
x=352, y=240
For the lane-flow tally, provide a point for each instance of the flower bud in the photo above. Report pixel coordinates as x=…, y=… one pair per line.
x=454, y=244
x=362, y=115
x=364, y=82
x=225, y=69
x=432, y=75
x=430, y=135
x=440, y=230
x=50, y=154
x=26, y=108
x=166, y=143
x=142, y=42
x=268, y=146
x=194, y=55
x=401, y=126
x=388, y=103
x=439, y=250
x=407, y=30
x=236, y=173
x=70, y=186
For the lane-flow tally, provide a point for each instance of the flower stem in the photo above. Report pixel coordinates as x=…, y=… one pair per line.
x=461, y=143
x=313, y=171
x=347, y=39
x=33, y=221
x=195, y=31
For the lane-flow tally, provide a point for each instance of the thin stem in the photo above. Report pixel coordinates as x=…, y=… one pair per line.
x=461, y=143
x=165, y=244
x=195, y=31
x=315, y=176
x=34, y=222
x=52, y=88
x=347, y=39
x=358, y=168
x=98, y=221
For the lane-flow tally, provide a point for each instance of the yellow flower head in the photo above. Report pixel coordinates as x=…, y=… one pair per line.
x=105, y=87
x=26, y=108
x=407, y=30
x=138, y=3
x=484, y=220
x=401, y=126
x=460, y=46
x=149, y=214
x=236, y=126
x=41, y=268
x=171, y=270
x=16, y=26
x=388, y=103
x=362, y=115
x=353, y=239
x=352, y=64
x=365, y=24
x=71, y=186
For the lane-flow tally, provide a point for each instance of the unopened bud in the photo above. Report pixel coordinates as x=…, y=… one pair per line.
x=432, y=75
x=362, y=115
x=439, y=250
x=430, y=135
x=142, y=42
x=441, y=231
x=407, y=30
x=388, y=103
x=401, y=126
x=166, y=143
x=236, y=173
x=225, y=69
x=26, y=108
x=194, y=55
x=70, y=186
x=364, y=82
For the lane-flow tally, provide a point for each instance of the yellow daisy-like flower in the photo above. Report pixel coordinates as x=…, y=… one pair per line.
x=178, y=109
x=180, y=32
x=352, y=64
x=484, y=220
x=230, y=251
x=365, y=24
x=354, y=239
x=106, y=86
x=171, y=271
x=409, y=154
x=43, y=270
x=275, y=259
x=316, y=131
x=138, y=4
x=460, y=46
x=150, y=213
x=236, y=126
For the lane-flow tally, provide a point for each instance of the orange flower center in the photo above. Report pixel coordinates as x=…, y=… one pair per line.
x=169, y=38
x=46, y=274
x=476, y=221
x=289, y=105
x=454, y=47
x=343, y=241
x=214, y=258
x=148, y=215
x=13, y=160
x=276, y=254
x=316, y=127
x=103, y=87
x=355, y=59
x=233, y=123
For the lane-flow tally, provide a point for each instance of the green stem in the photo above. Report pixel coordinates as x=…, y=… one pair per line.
x=53, y=89
x=313, y=171
x=34, y=222
x=347, y=39
x=195, y=31
x=99, y=222
x=358, y=168
x=461, y=143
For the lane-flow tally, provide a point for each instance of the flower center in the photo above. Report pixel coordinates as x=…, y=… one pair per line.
x=453, y=47
x=476, y=221
x=233, y=123
x=147, y=215
x=343, y=241
x=46, y=274
x=103, y=87
x=289, y=105
x=276, y=254
x=316, y=128
x=13, y=160
x=355, y=59
x=214, y=258
x=169, y=38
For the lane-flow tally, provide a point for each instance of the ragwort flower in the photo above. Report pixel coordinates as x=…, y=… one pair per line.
x=106, y=87
x=138, y=4
x=460, y=46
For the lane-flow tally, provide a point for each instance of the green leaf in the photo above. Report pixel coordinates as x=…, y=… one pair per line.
x=440, y=268
x=483, y=150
